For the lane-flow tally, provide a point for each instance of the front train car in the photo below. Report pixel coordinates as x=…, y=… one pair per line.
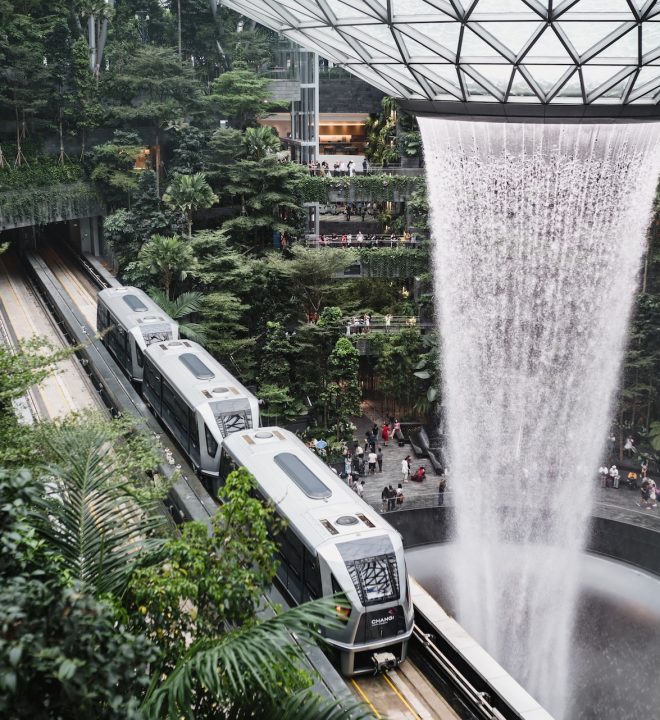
x=131, y=321
x=333, y=543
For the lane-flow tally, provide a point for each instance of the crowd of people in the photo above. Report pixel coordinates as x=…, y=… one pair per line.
x=611, y=477
x=348, y=240
x=339, y=168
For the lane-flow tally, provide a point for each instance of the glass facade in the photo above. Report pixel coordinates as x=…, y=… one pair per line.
x=585, y=52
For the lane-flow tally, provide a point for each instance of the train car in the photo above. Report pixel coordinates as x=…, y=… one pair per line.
x=197, y=400
x=334, y=542
x=132, y=321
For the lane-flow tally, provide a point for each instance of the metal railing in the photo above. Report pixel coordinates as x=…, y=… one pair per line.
x=366, y=240
x=358, y=326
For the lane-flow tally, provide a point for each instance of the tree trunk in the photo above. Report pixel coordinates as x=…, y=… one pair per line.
x=82, y=143
x=157, y=162
x=3, y=162
x=167, y=282
x=189, y=219
x=178, y=12
x=20, y=158
x=60, y=132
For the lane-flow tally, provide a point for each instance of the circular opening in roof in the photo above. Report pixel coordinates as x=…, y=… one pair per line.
x=219, y=390
x=346, y=520
x=263, y=435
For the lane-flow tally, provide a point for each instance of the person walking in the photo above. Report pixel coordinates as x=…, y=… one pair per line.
x=373, y=458
x=405, y=469
x=385, y=433
x=359, y=488
x=384, y=498
x=399, y=495
x=379, y=459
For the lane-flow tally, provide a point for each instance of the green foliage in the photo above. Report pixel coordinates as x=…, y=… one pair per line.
x=179, y=309
x=375, y=188
x=188, y=193
x=43, y=205
x=42, y=171
x=97, y=547
x=241, y=95
x=62, y=652
x=260, y=142
x=381, y=135
x=397, y=366
x=409, y=144
x=166, y=259
x=243, y=669
x=112, y=166
x=311, y=273
x=209, y=576
x=342, y=394
x=268, y=192
x=401, y=262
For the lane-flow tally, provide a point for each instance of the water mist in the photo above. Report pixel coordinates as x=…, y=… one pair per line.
x=538, y=231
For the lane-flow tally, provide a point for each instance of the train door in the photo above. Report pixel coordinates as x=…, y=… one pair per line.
x=193, y=439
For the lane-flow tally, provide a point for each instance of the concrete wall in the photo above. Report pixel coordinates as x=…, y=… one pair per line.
x=628, y=542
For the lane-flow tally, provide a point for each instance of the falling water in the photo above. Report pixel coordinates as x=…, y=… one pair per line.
x=538, y=233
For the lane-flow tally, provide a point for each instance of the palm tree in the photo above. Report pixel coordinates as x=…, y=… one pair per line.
x=181, y=307
x=260, y=142
x=97, y=529
x=243, y=672
x=170, y=257
x=188, y=193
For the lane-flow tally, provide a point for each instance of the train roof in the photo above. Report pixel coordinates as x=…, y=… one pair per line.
x=307, y=492
x=134, y=308
x=198, y=376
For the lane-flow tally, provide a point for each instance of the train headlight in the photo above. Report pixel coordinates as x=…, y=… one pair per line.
x=344, y=611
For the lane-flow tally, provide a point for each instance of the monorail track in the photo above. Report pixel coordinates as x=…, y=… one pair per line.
x=22, y=317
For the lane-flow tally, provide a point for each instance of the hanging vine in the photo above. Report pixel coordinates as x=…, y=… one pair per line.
x=360, y=187
x=39, y=206
x=400, y=262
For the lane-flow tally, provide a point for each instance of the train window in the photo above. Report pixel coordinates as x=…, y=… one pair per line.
x=139, y=356
x=372, y=565
x=134, y=303
x=211, y=443
x=302, y=476
x=336, y=587
x=176, y=412
x=196, y=366
x=227, y=464
x=293, y=550
x=231, y=422
x=193, y=432
x=312, y=575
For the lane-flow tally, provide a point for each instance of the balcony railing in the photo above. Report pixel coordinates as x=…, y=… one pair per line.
x=362, y=240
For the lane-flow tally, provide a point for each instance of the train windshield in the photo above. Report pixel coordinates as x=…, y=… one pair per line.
x=372, y=565
x=231, y=419
x=159, y=332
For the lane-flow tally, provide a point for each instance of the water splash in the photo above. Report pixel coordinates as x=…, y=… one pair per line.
x=538, y=235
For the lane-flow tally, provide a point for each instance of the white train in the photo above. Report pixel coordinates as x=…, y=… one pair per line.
x=334, y=542
x=132, y=321
x=197, y=400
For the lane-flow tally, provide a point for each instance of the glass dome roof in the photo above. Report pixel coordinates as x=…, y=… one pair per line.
x=581, y=52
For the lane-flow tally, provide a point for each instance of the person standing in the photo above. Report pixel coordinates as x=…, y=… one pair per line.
x=385, y=433
x=644, y=468
x=604, y=474
x=442, y=486
x=614, y=476
x=391, y=498
x=611, y=443
x=388, y=322
x=629, y=447
x=405, y=469
x=359, y=488
x=379, y=460
x=373, y=458
x=365, y=167
x=384, y=498
x=399, y=495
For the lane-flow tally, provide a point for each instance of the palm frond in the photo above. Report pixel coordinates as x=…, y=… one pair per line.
x=98, y=531
x=304, y=705
x=252, y=657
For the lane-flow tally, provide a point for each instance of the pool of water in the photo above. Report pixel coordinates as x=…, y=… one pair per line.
x=615, y=648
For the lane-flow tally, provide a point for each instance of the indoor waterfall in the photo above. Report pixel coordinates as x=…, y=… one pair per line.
x=539, y=232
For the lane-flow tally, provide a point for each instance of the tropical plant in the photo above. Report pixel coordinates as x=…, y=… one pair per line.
x=97, y=546
x=188, y=193
x=259, y=142
x=181, y=307
x=169, y=259
x=242, y=671
x=241, y=95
